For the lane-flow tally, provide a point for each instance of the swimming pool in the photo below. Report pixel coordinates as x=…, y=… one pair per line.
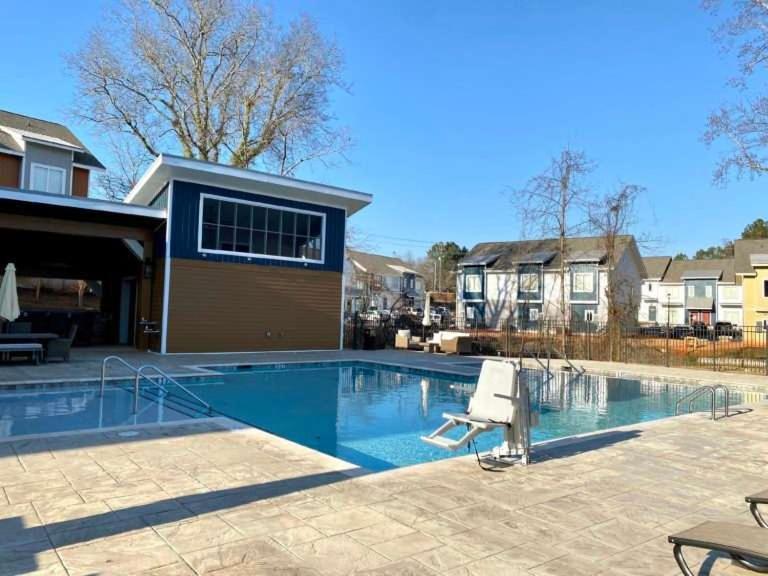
x=366, y=413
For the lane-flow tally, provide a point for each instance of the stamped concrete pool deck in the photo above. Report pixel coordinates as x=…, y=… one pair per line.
x=213, y=497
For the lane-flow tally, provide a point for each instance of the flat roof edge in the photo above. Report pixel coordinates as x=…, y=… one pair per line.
x=34, y=197
x=240, y=174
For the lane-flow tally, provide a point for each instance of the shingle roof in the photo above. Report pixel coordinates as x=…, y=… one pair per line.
x=380, y=265
x=46, y=130
x=511, y=254
x=656, y=266
x=680, y=269
x=743, y=249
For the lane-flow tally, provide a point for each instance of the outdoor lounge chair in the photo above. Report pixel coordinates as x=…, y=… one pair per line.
x=746, y=545
x=495, y=404
x=61, y=347
x=755, y=500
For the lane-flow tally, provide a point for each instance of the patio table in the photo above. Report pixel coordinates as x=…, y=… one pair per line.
x=41, y=337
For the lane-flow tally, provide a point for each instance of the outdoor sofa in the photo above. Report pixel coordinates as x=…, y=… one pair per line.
x=747, y=546
x=452, y=342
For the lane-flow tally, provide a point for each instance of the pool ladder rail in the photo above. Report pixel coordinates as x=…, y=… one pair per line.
x=691, y=397
x=140, y=373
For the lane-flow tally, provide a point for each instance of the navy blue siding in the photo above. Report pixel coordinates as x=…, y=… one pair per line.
x=584, y=296
x=185, y=221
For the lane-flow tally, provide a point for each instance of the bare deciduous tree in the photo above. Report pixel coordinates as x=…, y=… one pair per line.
x=552, y=204
x=743, y=124
x=611, y=218
x=218, y=80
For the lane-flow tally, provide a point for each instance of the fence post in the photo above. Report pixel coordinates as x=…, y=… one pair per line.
x=666, y=349
x=714, y=351
x=765, y=342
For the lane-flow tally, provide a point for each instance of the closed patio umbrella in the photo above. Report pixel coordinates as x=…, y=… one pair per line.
x=9, y=298
x=427, y=320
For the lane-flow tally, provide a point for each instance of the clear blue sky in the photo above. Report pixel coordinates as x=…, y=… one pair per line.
x=454, y=102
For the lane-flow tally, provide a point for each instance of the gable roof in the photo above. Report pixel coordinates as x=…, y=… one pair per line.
x=378, y=264
x=509, y=255
x=17, y=128
x=656, y=266
x=718, y=268
x=744, y=253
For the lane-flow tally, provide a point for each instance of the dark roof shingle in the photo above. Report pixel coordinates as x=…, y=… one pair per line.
x=46, y=129
x=546, y=251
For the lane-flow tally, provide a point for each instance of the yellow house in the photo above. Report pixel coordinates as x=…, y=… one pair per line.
x=752, y=265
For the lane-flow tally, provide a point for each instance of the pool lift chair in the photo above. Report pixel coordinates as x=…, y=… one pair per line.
x=500, y=400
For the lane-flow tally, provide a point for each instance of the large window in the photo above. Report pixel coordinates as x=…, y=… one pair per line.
x=583, y=282
x=47, y=178
x=473, y=283
x=529, y=282
x=651, y=313
x=252, y=229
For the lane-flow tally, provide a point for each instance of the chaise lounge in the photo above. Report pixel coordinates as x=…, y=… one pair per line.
x=747, y=546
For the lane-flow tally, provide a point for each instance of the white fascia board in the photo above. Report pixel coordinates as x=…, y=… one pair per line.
x=167, y=167
x=62, y=200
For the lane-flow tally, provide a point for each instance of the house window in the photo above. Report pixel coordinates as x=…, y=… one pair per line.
x=473, y=283
x=533, y=314
x=384, y=302
x=691, y=291
x=765, y=288
x=47, y=179
x=583, y=282
x=529, y=282
x=252, y=229
x=589, y=315
x=708, y=291
x=651, y=313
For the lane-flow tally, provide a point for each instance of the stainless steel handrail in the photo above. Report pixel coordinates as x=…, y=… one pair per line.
x=140, y=373
x=691, y=397
x=133, y=369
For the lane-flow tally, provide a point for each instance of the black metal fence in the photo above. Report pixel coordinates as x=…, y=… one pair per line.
x=724, y=348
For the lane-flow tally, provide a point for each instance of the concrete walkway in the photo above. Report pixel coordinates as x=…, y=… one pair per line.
x=86, y=365
x=206, y=499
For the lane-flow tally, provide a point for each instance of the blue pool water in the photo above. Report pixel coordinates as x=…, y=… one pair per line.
x=373, y=415
x=369, y=414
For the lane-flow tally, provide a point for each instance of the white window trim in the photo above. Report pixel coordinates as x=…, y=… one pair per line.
x=538, y=282
x=591, y=277
x=63, y=172
x=202, y=250
x=474, y=276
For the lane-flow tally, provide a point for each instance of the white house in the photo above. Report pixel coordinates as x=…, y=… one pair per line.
x=519, y=282
x=382, y=282
x=649, y=311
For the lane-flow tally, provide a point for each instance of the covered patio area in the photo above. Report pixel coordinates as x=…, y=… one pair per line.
x=87, y=262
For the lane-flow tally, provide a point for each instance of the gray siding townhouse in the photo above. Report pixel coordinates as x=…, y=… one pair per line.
x=703, y=291
x=519, y=282
x=44, y=157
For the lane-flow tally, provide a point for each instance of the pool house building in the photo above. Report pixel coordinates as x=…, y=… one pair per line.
x=200, y=257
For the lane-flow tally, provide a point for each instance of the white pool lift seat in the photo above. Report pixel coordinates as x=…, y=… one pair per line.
x=496, y=403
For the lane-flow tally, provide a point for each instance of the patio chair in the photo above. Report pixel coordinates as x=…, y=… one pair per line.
x=755, y=500
x=747, y=546
x=403, y=341
x=61, y=347
x=456, y=345
x=495, y=404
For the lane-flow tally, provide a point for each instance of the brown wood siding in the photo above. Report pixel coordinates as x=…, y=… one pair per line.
x=10, y=170
x=224, y=307
x=80, y=182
